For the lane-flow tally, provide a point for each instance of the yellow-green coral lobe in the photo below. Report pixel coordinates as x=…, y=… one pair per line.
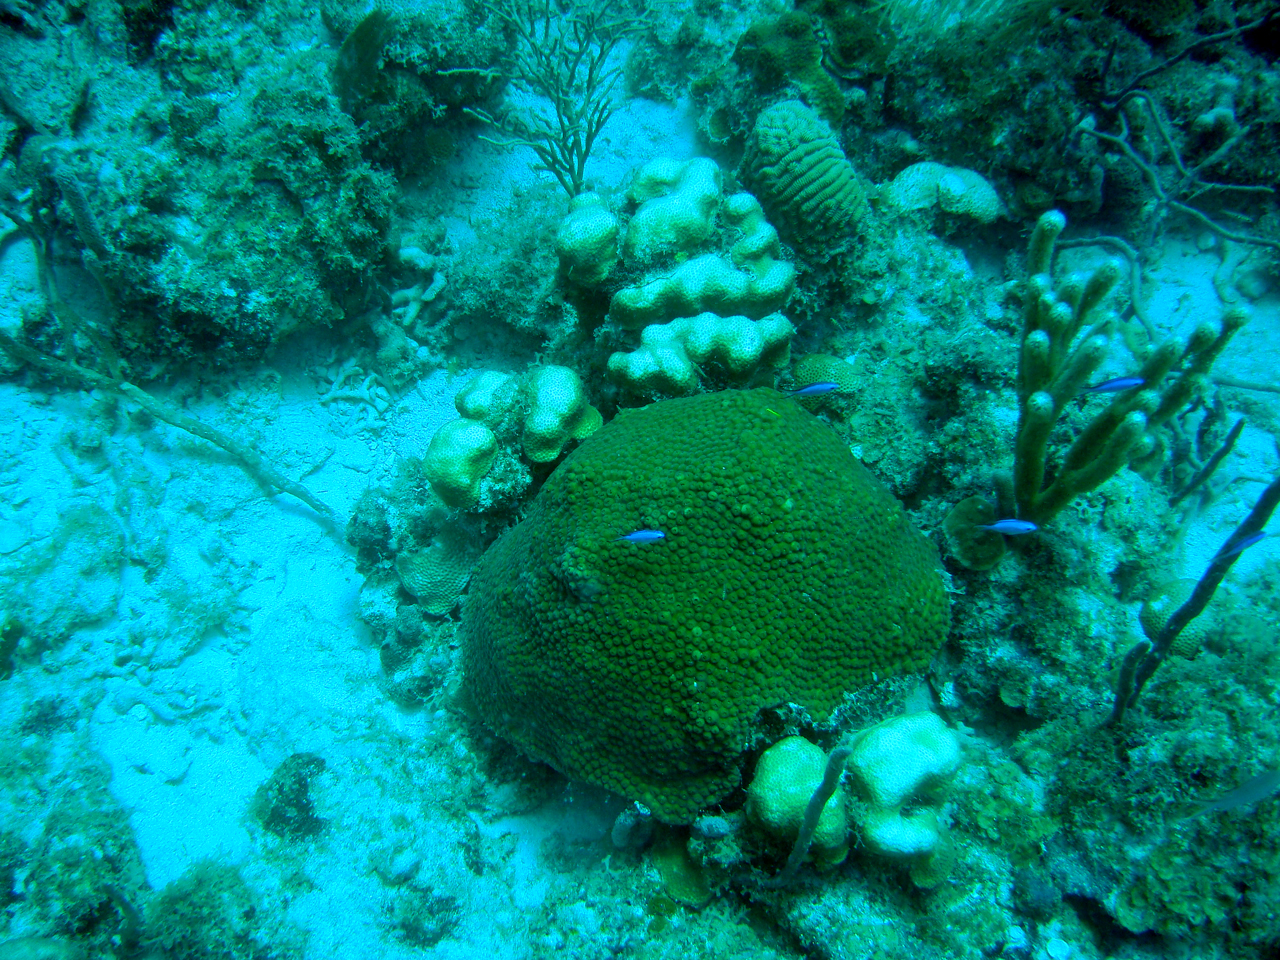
x=787, y=574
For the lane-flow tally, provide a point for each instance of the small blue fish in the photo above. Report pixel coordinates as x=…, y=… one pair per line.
x=1242, y=546
x=1115, y=385
x=1009, y=528
x=815, y=389
x=644, y=536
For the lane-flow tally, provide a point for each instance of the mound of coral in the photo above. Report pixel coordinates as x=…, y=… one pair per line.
x=785, y=575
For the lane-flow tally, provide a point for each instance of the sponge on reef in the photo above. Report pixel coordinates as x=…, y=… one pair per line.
x=786, y=575
x=669, y=355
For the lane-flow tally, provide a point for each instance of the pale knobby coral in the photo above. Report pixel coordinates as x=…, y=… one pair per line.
x=951, y=189
x=678, y=202
x=587, y=240
x=670, y=354
x=457, y=459
x=893, y=765
x=542, y=410
x=753, y=282
x=786, y=776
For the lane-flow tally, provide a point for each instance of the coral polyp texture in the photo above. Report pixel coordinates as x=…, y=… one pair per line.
x=558, y=412
x=786, y=575
x=795, y=166
x=671, y=354
x=678, y=202
x=753, y=280
x=786, y=776
x=543, y=410
x=705, y=283
x=784, y=50
x=457, y=459
x=587, y=240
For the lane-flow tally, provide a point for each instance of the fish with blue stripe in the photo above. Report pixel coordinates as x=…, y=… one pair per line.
x=1116, y=385
x=1242, y=546
x=642, y=536
x=1010, y=528
x=815, y=389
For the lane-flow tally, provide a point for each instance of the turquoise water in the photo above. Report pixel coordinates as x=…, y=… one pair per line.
x=302, y=307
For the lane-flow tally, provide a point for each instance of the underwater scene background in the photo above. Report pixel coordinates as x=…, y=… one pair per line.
x=539, y=478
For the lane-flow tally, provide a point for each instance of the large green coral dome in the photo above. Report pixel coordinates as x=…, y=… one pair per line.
x=787, y=574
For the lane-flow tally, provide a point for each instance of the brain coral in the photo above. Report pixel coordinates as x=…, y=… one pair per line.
x=787, y=575
x=797, y=169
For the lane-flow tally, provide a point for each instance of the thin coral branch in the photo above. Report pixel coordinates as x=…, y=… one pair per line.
x=255, y=465
x=1113, y=101
x=1141, y=662
x=563, y=59
x=1188, y=185
x=1222, y=380
x=1206, y=472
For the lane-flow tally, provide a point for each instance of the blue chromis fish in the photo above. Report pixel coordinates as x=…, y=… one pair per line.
x=1010, y=528
x=644, y=536
x=815, y=389
x=1116, y=384
x=1242, y=546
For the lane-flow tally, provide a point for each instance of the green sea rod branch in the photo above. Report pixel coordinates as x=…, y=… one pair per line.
x=1143, y=659
x=1054, y=369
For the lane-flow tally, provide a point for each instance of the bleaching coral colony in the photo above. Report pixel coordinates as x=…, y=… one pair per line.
x=585, y=478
